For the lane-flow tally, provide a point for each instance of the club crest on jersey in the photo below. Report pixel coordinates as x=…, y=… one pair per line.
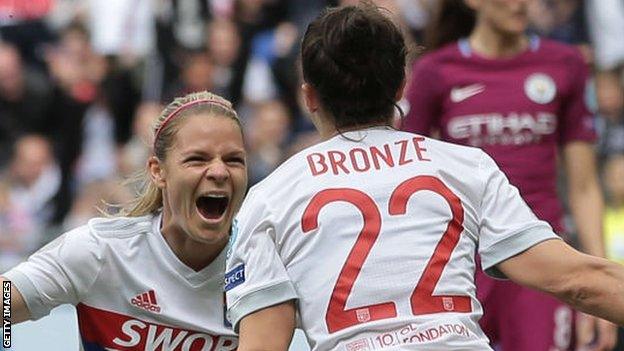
x=540, y=88
x=447, y=304
x=363, y=315
x=235, y=277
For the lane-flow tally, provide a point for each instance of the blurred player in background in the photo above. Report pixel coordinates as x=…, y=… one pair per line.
x=153, y=278
x=373, y=232
x=521, y=99
x=32, y=179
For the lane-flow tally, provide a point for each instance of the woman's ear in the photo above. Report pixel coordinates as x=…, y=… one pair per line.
x=156, y=172
x=310, y=97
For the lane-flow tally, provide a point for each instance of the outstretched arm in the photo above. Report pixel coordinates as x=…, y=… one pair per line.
x=586, y=205
x=19, y=310
x=590, y=284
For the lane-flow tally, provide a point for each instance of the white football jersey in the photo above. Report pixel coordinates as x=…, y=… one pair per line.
x=374, y=233
x=130, y=290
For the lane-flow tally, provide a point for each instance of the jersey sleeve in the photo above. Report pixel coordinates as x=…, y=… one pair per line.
x=255, y=275
x=59, y=273
x=507, y=226
x=425, y=98
x=577, y=121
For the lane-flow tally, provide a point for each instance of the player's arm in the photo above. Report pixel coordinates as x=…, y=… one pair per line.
x=586, y=205
x=585, y=197
x=259, y=293
x=269, y=329
x=59, y=273
x=19, y=310
x=588, y=283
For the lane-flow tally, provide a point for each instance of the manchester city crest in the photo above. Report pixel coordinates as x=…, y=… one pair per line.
x=540, y=88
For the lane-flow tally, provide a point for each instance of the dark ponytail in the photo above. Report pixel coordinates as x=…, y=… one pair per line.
x=452, y=20
x=354, y=57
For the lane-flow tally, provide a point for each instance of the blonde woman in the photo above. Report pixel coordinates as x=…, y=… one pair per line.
x=153, y=277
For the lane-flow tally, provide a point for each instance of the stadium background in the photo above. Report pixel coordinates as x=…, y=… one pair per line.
x=80, y=81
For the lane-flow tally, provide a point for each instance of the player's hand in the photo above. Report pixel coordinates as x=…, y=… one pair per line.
x=595, y=334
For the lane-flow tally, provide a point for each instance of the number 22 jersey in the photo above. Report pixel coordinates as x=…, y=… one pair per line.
x=374, y=234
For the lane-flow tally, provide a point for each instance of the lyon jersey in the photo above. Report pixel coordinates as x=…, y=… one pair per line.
x=131, y=291
x=519, y=110
x=374, y=233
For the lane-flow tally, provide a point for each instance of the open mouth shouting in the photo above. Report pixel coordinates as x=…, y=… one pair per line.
x=212, y=207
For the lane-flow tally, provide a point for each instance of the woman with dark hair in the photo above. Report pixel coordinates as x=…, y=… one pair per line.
x=373, y=232
x=520, y=98
x=152, y=277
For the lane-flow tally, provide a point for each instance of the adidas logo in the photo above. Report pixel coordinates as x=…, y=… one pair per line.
x=146, y=301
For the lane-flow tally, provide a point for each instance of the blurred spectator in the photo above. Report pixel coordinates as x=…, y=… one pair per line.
x=610, y=94
x=259, y=83
x=283, y=64
x=30, y=182
x=267, y=133
x=122, y=28
x=180, y=27
x=71, y=64
x=98, y=159
x=13, y=229
x=79, y=114
x=121, y=95
x=416, y=15
x=75, y=73
x=23, y=100
x=223, y=43
x=22, y=24
x=610, y=98
x=187, y=20
x=134, y=154
x=256, y=20
x=34, y=176
x=196, y=74
x=124, y=32
x=302, y=12
x=17, y=11
x=64, y=12
x=562, y=20
x=606, y=26
x=94, y=199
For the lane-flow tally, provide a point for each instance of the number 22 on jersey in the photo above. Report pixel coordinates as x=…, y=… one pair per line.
x=422, y=300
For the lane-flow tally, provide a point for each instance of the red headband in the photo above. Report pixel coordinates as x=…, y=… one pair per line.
x=183, y=107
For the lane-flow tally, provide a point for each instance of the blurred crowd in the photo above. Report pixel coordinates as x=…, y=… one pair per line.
x=81, y=81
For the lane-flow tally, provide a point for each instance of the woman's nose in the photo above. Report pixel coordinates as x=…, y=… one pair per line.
x=217, y=171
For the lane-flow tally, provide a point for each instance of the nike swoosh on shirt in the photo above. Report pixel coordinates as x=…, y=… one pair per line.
x=459, y=94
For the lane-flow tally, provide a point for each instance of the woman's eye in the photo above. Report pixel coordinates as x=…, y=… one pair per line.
x=193, y=159
x=238, y=160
